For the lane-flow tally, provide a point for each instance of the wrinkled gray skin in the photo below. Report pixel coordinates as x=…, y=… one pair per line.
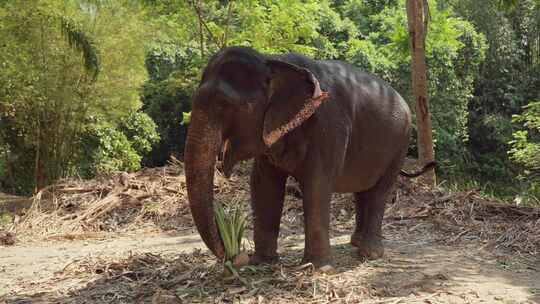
x=355, y=141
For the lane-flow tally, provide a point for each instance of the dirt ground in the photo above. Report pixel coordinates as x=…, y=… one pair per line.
x=427, y=260
x=412, y=272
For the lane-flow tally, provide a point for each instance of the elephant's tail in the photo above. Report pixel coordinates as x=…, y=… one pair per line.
x=427, y=167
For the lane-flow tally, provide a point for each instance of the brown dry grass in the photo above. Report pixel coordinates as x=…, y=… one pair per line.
x=469, y=215
x=153, y=198
x=156, y=198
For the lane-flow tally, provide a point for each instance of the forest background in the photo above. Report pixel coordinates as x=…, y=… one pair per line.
x=96, y=86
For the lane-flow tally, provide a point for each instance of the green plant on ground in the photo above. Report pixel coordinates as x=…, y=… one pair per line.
x=5, y=219
x=231, y=225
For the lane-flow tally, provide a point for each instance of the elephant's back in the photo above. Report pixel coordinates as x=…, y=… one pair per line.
x=371, y=93
x=356, y=90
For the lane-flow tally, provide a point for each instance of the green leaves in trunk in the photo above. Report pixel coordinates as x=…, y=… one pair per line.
x=186, y=118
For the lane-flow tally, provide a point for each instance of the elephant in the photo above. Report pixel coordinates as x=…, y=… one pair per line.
x=331, y=126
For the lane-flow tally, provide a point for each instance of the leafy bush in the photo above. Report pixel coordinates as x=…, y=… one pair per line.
x=141, y=131
x=525, y=149
x=109, y=148
x=166, y=95
x=64, y=65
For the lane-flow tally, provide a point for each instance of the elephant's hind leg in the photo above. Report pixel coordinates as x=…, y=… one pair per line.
x=370, y=206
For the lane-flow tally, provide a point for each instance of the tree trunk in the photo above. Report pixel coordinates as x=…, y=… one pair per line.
x=39, y=170
x=417, y=20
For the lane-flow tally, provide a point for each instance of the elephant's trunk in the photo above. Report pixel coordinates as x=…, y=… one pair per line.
x=202, y=146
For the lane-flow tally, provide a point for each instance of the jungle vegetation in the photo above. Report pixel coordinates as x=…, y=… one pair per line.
x=96, y=86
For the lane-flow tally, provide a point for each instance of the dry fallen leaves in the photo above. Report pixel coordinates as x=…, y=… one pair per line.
x=7, y=238
x=157, y=197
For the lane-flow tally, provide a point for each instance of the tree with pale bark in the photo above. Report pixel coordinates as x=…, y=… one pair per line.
x=417, y=17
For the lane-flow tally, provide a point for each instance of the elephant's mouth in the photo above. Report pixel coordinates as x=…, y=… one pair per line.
x=224, y=164
x=226, y=161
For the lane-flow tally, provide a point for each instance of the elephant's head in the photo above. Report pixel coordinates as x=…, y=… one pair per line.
x=244, y=103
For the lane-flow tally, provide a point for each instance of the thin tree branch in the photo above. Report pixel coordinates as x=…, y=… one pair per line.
x=197, y=8
x=201, y=37
x=227, y=21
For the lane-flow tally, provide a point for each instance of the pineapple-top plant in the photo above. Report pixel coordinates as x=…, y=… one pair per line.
x=231, y=225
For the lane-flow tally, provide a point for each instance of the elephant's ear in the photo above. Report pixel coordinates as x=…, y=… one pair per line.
x=295, y=95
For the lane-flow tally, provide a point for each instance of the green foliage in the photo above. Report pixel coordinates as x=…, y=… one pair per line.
x=454, y=53
x=186, y=118
x=370, y=34
x=167, y=95
x=78, y=39
x=525, y=152
x=141, y=132
x=525, y=149
x=277, y=26
x=231, y=225
x=108, y=148
x=75, y=74
x=6, y=219
x=507, y=80
x=109, y=151
x=62, y=62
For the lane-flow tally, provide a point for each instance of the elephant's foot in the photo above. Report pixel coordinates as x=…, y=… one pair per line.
x=322, y=264
x=326, y=269
x=368, y=248
x=258, y=259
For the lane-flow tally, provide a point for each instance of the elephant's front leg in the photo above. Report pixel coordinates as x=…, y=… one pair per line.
x=267, y=195
x=317, y=195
